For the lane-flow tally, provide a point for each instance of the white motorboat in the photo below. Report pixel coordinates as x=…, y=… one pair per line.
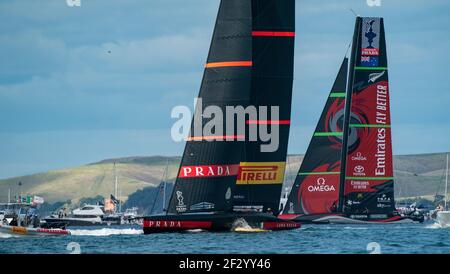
x=86, y=215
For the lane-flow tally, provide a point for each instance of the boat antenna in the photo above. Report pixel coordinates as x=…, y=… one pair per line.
x=165, y=180
x=348, y=48
x=352, y=11
x=161, y=188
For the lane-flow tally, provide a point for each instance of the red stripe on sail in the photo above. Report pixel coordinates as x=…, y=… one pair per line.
x=273, y=33
x=229, y=64
x=219, y=137
x=268, y=122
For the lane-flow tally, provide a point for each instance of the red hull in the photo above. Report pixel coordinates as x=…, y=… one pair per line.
x=213, y=222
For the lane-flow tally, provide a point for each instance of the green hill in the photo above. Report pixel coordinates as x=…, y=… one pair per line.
x=94, y=179
x=416, y=175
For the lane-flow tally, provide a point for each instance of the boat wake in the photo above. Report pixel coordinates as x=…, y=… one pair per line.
x=241, y=225
x=4, y=235
x=436, y=226
x=105, y=232
x=356, y=228
x=195, y=230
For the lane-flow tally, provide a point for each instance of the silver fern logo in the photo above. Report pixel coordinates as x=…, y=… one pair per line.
x=373, y=77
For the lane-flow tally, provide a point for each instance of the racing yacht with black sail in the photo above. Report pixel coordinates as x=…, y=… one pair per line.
x=347, y=173
x=227, y=177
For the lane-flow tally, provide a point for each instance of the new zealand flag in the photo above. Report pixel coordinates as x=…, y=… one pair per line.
x=369, y=61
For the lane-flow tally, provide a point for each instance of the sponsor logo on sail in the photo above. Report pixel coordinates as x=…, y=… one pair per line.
x=359, y=170
x=208, y=171
x=359, y=157
x=351, y=202
x=321, y=186
x=370, y=52
x=202, y=206
x=248, y=208
x=371, y=37
x=381, y=118
x=384, y=199
x=359, y=185
x=228, y=194
x=373, y=77
x=291, y=208
x=181, y=207
x=261, y=173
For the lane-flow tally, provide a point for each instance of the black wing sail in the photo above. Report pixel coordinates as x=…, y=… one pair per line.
x=210, y=164
x=262, y=172
x=316, y=187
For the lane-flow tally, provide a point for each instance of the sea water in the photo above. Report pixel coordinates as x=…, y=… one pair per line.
x=316, y=239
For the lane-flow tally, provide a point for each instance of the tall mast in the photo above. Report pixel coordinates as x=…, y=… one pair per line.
x=348, y=100
x=164, y=185
x=115, y=180
x=446, y=182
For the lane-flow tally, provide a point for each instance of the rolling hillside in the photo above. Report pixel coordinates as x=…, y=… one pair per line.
x=133, y=173
x=416, y=175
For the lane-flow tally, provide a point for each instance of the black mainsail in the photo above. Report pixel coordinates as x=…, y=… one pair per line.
x=262, y=169
x=210, y=164
x=222, y=175
x=348, y=178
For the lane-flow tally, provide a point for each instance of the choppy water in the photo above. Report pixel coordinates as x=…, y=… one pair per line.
x=401, y=238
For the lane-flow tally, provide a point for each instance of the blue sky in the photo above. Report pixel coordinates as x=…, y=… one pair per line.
x=80, y=84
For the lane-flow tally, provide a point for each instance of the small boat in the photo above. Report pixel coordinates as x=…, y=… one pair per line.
x=347, y=173
x=32, y=231
x=21, y=218
x=223, y=178
x=87, y=215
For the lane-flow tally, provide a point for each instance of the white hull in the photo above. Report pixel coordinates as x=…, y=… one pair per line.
x=443, y=218
x=344, y=220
